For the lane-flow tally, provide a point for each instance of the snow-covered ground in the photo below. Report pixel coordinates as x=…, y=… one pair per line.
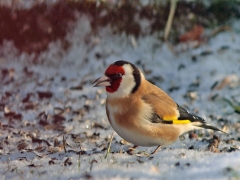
x=44, y=102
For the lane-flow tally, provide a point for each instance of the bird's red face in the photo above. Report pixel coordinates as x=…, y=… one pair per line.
x=111, y=79
x=121, y=79
x=115, y=73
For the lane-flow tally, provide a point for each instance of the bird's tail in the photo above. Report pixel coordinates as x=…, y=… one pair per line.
x=209, y=126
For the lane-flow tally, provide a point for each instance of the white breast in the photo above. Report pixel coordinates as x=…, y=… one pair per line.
x=133, y=136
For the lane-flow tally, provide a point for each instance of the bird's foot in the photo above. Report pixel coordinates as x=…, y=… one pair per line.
x=132, y=149
x=156, y=150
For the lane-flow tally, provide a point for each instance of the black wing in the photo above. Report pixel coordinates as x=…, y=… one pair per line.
x=185, y=115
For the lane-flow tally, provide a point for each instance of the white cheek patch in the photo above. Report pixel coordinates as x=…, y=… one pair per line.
x=127, y=84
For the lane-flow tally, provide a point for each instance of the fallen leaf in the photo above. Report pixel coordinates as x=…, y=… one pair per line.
x=22, y=146
x=43, y=122
x=98, y=125
x=213, y=144
x=51, y=162
x=17, y=116
x=67, y=162
x=58, y=110
x=2, y=105
x=231, y=80
x=39, y=141
x=40, y=148
x=9, y=114
x=194, y=34
x=29, y=106
x=76, y=87
x=52, y=149
x=54, y=127
x=44, y=94
x=154, y=169
x=58, y=119
x=34, y=166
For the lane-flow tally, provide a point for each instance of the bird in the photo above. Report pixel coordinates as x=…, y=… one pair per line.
x=142, y=113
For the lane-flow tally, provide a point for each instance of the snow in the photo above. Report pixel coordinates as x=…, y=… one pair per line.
x=79, y=66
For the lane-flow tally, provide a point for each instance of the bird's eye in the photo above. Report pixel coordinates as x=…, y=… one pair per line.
x=116, y=76
x=119, y=75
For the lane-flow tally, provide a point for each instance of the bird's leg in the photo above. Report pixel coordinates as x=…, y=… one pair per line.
x=156, y=150
x=131, y=149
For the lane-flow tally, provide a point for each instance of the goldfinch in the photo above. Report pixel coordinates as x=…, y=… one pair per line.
x=140, y=112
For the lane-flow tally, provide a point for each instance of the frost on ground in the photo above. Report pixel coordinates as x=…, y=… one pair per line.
x=53, y=122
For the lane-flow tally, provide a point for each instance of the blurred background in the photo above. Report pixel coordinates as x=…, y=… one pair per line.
x=32, y=25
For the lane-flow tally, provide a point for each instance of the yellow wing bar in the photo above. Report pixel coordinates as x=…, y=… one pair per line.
x=181, y=121
x=176, y=121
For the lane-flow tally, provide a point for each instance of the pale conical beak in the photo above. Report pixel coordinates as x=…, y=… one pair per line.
x=102, y=81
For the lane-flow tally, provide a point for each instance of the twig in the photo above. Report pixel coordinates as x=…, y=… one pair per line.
x=91, y=163
x=222, y=29
x=109, y=146
x=79, y=161
x=170, y=18
x=64, y=144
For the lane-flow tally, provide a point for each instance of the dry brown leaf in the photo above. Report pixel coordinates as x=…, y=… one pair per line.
x=213, y=144
x=40, y=148
x=79, y=87
x=22, y=146
x=30, y=106
x=58, y=119
x=51, y=162
x=154, y=169
x=44, y=94
x=9, y=114
x=52, y=149
x=54, y=127
x=79, y=139
x=67, y=162
x=58, y=110
x=192, y=35
x=39, y=141
x=17, y=116
x=26, y=99
x=227, y=81
x=34, y=166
